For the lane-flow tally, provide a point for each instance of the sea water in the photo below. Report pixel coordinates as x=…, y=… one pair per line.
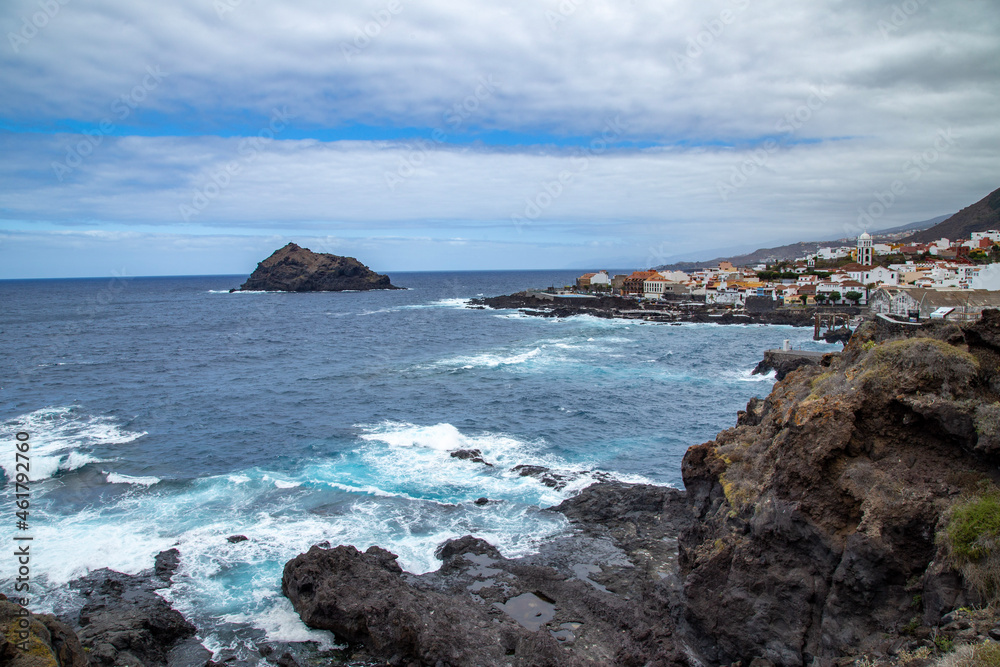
x=169, y=413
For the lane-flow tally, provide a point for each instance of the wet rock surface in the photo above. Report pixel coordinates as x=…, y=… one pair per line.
x=124, y=622
x=593, y=597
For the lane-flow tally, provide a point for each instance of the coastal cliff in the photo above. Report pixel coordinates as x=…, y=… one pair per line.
x=852, y=514
x=296, y=269
x=849, y=511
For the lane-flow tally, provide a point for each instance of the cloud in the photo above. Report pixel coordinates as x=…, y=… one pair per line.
x=748, y=120
x=742, y=62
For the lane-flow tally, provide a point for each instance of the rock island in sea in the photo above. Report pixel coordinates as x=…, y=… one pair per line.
x=297, y=269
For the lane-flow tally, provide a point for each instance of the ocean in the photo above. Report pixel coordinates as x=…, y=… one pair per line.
x=167, y=412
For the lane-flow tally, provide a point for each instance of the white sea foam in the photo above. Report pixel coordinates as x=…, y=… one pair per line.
x=283, y=484
x=443, y=437
x=60, y=439
x=459, y=303
x=493, y=360
x=418, y=463
x=117, y=478
x=281, y=623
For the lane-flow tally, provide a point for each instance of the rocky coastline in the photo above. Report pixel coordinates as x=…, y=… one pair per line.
x=825, y=528
x=539, y=304
x=852, y=515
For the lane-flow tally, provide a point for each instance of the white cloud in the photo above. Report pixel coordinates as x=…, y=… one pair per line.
x=851, y=90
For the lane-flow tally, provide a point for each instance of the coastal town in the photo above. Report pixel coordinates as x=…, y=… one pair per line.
x=943, y=279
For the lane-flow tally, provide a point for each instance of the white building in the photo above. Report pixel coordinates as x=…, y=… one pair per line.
x=832, y=253
x=865, y=249
x=937, y=246
x=879, y=275
x=600, y=278
x=675, y=276
x=653, y=286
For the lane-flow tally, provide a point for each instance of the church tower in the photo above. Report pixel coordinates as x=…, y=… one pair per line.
x=866, y=247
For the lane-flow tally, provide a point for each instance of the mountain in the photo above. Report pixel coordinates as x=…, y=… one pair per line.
x=794, y=250
x=296, y=269
x=981, y=216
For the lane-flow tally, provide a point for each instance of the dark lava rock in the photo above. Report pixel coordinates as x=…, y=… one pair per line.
x=482, y=501
x=473, y=455
x=365, y=599
x=783, y=363
x=595, y=596
x=543, y=474
x=124, y=622
x=296, y=269
x=234, y=539
x=166, y=563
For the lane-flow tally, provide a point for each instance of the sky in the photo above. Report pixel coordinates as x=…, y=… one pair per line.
x=197, y=136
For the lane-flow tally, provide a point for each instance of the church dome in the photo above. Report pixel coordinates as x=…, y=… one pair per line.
x=865, y=237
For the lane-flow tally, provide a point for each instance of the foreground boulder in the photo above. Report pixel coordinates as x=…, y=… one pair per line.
x=296, y=269
x=596, y=596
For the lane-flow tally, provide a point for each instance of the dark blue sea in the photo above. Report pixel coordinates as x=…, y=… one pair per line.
x=167, y=412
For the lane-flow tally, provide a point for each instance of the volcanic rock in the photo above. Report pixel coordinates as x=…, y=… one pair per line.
x=585, y=599
x=124, y=622
x=818, y=516
x=474, y=455
x=296, y=269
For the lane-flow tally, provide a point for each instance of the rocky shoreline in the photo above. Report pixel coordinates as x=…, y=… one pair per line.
x=820, y=530
x=830, y=525
x=541, y=305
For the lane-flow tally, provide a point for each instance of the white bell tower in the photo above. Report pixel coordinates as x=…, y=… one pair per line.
x=866, y=249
